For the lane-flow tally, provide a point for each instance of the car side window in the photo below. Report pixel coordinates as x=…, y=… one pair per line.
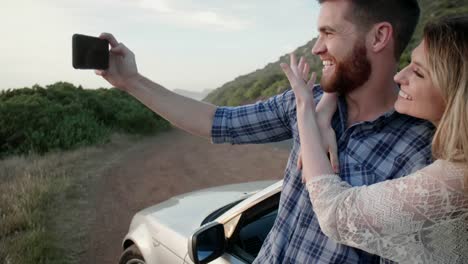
x=220, y=211
x=253, y=228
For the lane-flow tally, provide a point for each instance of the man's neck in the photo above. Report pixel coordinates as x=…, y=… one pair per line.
x=376, y=97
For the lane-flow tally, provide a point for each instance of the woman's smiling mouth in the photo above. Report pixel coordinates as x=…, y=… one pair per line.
x=405, y=95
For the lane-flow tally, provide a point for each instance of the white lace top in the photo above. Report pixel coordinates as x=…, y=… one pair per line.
x=420, y=218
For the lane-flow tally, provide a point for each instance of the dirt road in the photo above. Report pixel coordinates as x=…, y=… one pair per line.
x=157, y=168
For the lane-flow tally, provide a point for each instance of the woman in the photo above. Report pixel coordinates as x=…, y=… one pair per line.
x=423, y=217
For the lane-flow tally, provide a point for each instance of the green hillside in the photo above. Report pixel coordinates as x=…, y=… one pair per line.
x=432, y=10
x=62, y=116
x=270, y=80
x=260, y=84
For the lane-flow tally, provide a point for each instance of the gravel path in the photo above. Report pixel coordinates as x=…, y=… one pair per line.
x=157, y=168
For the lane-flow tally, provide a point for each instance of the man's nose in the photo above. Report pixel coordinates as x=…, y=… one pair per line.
x=319, y=47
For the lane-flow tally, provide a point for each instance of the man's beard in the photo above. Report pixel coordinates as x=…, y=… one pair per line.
x=349, y=74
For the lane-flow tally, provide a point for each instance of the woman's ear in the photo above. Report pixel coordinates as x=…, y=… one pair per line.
x=380, y=36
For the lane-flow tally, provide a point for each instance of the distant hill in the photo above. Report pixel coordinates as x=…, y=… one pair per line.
x=192, y=94
x=432, y=10
x=261, y=83
x=270, y=80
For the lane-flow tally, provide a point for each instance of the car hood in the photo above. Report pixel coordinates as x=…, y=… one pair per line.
x=184, y=213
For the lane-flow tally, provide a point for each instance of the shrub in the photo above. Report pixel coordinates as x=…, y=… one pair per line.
x=62, y=116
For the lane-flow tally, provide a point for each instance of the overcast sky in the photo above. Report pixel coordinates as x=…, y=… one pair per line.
x=184, y=44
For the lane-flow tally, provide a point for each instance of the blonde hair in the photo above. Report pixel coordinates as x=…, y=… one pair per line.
x=447, y=52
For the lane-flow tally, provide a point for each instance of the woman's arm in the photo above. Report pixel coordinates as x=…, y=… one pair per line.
x=326, y=108
x=315, y=160
x=395, y=219
x=312, y=149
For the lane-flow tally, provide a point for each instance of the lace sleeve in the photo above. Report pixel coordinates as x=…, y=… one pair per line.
x=411, y=219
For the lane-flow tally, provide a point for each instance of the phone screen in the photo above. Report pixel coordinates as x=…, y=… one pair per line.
x=90, y=52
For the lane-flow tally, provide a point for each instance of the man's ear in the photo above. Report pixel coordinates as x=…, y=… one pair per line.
x=380, y=36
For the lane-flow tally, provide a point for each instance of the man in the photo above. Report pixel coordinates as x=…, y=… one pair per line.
x=359, y=43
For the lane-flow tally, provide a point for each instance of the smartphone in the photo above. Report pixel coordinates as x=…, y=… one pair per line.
x=90, y=52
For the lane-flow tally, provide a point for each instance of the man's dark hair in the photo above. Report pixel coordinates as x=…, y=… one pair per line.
x=403, y=15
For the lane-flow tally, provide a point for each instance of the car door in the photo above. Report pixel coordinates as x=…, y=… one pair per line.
x=252, y=229
x=247, y=225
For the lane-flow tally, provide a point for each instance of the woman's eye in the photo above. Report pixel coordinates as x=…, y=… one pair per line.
x=418, y=74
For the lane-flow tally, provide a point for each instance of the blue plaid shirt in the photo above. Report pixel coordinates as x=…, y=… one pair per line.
x=392, y=146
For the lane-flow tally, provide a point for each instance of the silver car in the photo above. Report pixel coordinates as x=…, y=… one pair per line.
x=220, y=225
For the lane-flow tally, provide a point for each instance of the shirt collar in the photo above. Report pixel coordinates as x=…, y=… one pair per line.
x=341, y=117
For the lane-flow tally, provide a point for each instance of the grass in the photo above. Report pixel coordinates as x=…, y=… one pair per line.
x=28, y=186
x=46, y=202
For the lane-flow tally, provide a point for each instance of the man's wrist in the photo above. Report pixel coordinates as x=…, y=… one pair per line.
x=133, y=82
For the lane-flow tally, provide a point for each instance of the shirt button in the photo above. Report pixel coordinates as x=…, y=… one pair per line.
x=357, y=167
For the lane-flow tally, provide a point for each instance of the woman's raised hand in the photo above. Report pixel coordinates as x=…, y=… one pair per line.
x=301, y=83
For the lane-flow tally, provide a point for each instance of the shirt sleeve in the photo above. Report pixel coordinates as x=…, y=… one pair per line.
x=397, y=219
x=262, y=122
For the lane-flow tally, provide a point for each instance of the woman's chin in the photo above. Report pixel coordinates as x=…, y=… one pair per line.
x=407, y=108
x=403, y=106
x=400, y=106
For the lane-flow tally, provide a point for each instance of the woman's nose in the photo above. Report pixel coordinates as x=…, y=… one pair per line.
x=400, y=77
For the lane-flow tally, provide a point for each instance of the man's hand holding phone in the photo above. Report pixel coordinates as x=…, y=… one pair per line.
x=122, y=66
x=191, y=115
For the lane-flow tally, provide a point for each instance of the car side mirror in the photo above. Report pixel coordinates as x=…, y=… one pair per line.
x=207, y=243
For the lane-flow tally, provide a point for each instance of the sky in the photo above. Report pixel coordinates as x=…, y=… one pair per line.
x=180, y=44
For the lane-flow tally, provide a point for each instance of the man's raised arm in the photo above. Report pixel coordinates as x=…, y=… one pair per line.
x=193, y=116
